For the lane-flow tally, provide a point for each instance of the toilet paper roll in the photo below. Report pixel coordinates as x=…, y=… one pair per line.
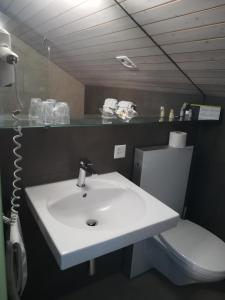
x=177, y=139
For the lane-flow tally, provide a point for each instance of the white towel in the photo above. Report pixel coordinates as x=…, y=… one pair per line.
x=16, y=238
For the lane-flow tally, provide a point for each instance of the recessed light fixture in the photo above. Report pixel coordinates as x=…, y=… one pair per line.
x=126, y=62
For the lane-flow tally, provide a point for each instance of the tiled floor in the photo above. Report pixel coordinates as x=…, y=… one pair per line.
x=151, y=285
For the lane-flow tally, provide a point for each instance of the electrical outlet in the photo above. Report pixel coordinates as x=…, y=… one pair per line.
x=119, y=151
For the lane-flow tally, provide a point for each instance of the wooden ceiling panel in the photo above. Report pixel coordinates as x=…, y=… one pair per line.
x=189, y=21
x=142, y=5
x=139, y=76
x=16, y=6
x=174, y=9
x=98, y=31
x=203, y=65
x=55, y=10
x=119, y=36
x=191, y=35
x=202, y=45
x=212, y=55
x=139, y=85
x=104, y=48
x=24, y=13
x=4, y=4
x=85, y=37
x=111, y=54
x=118, y=67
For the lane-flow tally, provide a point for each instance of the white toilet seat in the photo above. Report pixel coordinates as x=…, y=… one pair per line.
x=200, y=253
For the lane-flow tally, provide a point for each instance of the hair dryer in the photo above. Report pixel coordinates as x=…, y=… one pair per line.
x=8, y=59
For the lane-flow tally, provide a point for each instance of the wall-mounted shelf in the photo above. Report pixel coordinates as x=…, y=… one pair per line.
x=87, y=120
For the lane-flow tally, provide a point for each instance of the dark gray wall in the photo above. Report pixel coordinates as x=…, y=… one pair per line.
x=148, y=103
x=207, y=188
x=53, y=154
x=207, y=198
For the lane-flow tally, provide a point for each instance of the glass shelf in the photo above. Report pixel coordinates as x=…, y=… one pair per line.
x=7, y=122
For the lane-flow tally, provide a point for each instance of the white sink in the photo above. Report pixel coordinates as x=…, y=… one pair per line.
x=109, y=213
x=103, y=202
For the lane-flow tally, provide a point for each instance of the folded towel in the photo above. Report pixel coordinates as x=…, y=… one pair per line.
x=16, y=262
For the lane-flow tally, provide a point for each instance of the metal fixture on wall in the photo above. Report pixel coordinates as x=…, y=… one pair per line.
x=92, y=267
x=162, y=50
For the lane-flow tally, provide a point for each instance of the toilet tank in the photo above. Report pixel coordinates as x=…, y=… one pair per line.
x=163, y=172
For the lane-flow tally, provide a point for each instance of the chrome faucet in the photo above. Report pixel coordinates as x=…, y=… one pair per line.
x=85, y=170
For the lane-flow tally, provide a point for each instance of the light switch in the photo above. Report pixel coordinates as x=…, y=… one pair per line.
x=119, y=151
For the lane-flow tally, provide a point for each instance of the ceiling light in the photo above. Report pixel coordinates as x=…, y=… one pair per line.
x=126, y=62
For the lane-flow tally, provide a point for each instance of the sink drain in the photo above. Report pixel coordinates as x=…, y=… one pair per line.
x=92, y=222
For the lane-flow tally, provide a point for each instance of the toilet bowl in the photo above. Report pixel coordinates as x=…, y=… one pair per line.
x=187, y=254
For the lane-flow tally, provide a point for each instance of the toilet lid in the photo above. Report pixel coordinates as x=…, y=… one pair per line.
x=196, y=246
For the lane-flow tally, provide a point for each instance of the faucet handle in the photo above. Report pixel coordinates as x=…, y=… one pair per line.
x=87, y=166
x=86, y=163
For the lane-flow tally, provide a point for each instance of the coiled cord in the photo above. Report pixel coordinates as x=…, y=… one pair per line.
x=17, y=169
x=18, y=157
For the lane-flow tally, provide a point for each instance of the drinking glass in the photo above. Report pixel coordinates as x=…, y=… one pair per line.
x=47, y=111
x=34, y=109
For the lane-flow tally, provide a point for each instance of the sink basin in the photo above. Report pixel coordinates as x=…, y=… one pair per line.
x=103, y=203
x=109, y=213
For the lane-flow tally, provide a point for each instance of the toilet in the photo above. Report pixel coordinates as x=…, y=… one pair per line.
x=187, y=254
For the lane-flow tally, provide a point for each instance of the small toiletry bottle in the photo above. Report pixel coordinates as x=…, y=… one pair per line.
x=187, y=112
x=171, y=115
x=162, y=113
x=190, y=114
x=182, y=111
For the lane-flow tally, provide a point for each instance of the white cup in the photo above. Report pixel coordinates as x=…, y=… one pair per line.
x=125, y=104
x=51, y=100
x=110, y=103
x=61, y=113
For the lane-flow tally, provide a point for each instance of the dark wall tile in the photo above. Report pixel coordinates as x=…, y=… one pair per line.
x=207, y=205
x=53, y=154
